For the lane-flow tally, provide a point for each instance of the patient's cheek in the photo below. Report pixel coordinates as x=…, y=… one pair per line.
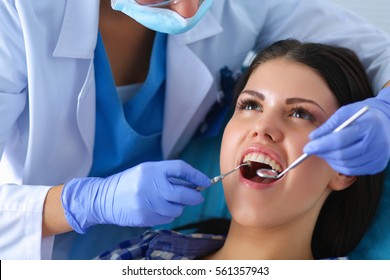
x=228, y=156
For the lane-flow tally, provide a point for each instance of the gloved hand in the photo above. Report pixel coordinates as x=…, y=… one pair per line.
x=140, y=196
x=361, y=148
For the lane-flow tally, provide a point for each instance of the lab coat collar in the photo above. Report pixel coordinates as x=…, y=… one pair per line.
x=79, y=29
x=188, y=83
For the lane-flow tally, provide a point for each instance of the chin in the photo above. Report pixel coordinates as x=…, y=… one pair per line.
x=251, y=218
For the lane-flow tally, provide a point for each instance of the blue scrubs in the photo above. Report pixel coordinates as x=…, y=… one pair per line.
x=132, y=135
x=128, y=134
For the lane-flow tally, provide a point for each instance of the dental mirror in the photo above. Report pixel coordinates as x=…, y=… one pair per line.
x=273, y=174
x=267, y=173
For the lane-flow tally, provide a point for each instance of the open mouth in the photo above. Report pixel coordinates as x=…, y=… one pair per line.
x=259, y=161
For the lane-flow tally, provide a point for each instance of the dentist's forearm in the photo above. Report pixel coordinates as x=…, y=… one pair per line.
x=53, y=220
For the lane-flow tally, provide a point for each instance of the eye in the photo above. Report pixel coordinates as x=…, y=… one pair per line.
x=301, y=113
x=248, y=104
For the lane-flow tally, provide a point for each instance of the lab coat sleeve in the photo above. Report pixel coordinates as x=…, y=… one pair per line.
x=325, y=22
x=20, y=237
x=20, y=206
x=13, y=81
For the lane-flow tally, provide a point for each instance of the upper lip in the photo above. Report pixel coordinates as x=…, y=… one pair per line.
x=260, y=149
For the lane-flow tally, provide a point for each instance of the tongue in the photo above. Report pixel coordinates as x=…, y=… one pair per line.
x=249, y=172
x=260, y=180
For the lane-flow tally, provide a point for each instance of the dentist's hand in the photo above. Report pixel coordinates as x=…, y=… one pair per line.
x=140, y=196
x=361, y=148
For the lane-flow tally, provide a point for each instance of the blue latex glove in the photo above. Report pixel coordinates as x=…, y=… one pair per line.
x=361, y=148
x=140, y=196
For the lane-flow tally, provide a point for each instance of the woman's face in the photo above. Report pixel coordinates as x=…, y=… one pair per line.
x=282, y=102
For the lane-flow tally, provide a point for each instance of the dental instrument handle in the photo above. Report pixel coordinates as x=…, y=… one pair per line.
x=337, y=129
x=292, y=165
x=351, y=119
x=218, y=178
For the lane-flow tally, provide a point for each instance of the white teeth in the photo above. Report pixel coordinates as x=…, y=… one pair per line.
x=262, y=158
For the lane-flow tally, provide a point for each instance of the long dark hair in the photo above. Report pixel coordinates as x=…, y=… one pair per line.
x=345, y=215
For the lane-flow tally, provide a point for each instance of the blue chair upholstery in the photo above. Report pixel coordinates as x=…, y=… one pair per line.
x=376, y=243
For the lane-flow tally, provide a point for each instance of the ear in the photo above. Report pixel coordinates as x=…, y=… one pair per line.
x=340, y=182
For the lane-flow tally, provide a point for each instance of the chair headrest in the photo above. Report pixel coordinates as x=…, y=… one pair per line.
x=375, y=244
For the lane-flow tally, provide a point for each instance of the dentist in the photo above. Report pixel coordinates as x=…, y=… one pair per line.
x=98, y=97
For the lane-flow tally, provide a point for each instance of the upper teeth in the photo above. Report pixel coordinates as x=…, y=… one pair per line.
x=262, y=158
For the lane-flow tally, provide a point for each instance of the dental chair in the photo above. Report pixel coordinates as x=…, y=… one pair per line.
x=376, y=242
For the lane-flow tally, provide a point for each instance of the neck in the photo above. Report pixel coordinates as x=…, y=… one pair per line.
x=128, y=45
x=266, y=244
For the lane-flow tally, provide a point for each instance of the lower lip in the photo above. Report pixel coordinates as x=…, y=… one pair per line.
x=254, y=185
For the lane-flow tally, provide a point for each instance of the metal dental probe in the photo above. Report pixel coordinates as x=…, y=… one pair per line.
x=218, y=178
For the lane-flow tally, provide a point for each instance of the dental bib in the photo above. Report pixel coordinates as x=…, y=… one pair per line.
x=160, y=19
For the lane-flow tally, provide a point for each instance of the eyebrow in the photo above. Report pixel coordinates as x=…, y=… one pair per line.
x=289, y=101
x=254, y=93
x=296, y=100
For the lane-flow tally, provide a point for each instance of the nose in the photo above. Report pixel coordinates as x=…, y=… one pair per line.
x=185, y=8
x=267, y=128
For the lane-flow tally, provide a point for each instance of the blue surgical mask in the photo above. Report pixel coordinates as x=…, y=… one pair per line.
x=160, y=19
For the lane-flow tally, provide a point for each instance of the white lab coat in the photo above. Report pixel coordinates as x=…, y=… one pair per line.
x=47, y=88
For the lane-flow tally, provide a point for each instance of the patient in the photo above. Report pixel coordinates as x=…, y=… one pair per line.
x=313, y=212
